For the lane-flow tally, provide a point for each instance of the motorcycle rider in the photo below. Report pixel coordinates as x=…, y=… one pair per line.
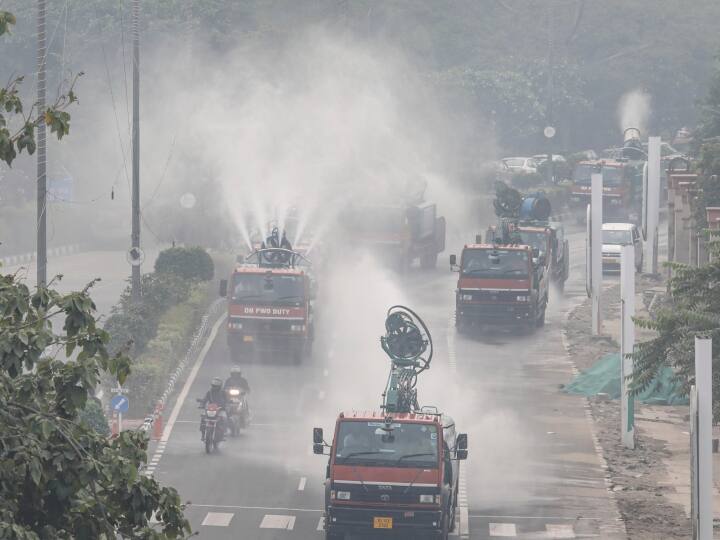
x=236, y=380
x=216, y=395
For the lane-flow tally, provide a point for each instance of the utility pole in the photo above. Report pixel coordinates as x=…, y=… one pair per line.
x=596, y=209
x=135, y=250
x=653, y=204
x=41, y=150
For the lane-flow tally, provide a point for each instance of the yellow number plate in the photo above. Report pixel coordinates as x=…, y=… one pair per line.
x=247, y=339
x=382, y=523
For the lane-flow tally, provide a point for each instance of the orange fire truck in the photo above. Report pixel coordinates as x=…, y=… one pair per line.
x=395, y=470
x=270, y=305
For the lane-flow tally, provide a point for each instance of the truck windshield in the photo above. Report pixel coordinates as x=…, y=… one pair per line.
x=535, y=239
x=496, y=263
x=612, y=176
x=277, y=289
x=617, y=238
x=372, y=444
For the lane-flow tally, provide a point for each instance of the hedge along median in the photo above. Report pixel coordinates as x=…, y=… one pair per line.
x=157, y=331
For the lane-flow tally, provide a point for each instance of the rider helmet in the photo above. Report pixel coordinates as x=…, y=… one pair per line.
x=235, y=370
x=216, y=382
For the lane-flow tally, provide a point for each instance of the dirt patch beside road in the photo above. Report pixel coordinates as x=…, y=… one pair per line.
x=638, y=477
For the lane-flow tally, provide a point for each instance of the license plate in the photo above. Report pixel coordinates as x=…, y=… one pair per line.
x=247, y=339
x=382, y=523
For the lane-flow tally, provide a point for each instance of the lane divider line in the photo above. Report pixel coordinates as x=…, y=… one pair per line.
x=301, y=485
x=191, y=379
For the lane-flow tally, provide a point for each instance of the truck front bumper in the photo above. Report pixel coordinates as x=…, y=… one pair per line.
x=359, y=520
x=494, y=314
x=280, y=343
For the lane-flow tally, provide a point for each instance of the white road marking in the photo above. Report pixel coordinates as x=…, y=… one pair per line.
x=464, y=525
x=564, y=530
x=502, y=529
x=321, y=524
x=217, y=519
x=452, y=359
x=321, y=395
x=326, y=372
x=301, y=485
x=191, y=379
x=271, y=521
x=266, y=508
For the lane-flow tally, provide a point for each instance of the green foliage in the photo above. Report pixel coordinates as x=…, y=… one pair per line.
x=17, y=128
x=190, y=263
x=694, y=310
x=132, y=324
x=59, y=477
x=93, y=417
x=507, y=201
x=152, y=368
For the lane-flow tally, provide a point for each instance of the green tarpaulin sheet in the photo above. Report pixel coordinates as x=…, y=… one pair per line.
x=604, y=378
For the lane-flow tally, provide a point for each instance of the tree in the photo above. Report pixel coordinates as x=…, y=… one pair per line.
x=60, y=478
x=692, y=310
x=17, y=126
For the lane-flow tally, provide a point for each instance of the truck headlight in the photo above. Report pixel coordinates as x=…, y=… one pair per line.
x=343, y=495
x=466, y=297
x=429, y=499
x=235, y=326
x=297, y=327
x=522, y=298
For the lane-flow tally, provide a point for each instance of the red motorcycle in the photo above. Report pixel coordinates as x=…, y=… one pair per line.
x=212, y=426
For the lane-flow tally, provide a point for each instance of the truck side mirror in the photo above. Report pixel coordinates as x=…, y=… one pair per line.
x=223, y=287
x=453, y=260
x=318, y=435
x=318, y=449
x=478, y=239
x=462, y=441
x=462, y=454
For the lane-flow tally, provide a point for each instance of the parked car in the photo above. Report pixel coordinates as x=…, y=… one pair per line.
x=542, y=158
x=522, y=165
x=616, y=235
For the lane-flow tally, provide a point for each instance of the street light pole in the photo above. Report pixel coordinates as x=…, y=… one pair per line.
x=41, y=149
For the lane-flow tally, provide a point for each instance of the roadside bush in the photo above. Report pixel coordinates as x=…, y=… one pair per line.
x=131, y=325
x=162, y=354
x=92, y=415
x=191, y=263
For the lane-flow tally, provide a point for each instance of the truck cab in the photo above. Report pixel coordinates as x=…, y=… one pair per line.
x=270, y=309
x=500, y=284
x=622, y=188
x=391, y=473
x=397, y=234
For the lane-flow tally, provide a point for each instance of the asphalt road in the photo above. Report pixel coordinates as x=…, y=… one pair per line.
x=78, y=269
x=533, y=470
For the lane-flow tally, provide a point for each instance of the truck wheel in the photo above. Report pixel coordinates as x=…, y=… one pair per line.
x=429, y=261
x=445, y=531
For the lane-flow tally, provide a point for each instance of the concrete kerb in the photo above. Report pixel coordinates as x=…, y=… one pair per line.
x=23, y=258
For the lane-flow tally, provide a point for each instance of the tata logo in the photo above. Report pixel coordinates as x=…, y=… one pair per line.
x=385, y=488
x=385, y=498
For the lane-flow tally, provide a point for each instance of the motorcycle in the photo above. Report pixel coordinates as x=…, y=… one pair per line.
x=212, y=426
x=238, y=410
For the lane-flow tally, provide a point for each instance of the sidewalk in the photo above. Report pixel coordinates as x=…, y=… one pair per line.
x=670, y=426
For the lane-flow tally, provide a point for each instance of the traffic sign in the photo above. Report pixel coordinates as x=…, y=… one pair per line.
x=135, y=256
x=187, y=201
x=549, y=132
x=120, y=404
